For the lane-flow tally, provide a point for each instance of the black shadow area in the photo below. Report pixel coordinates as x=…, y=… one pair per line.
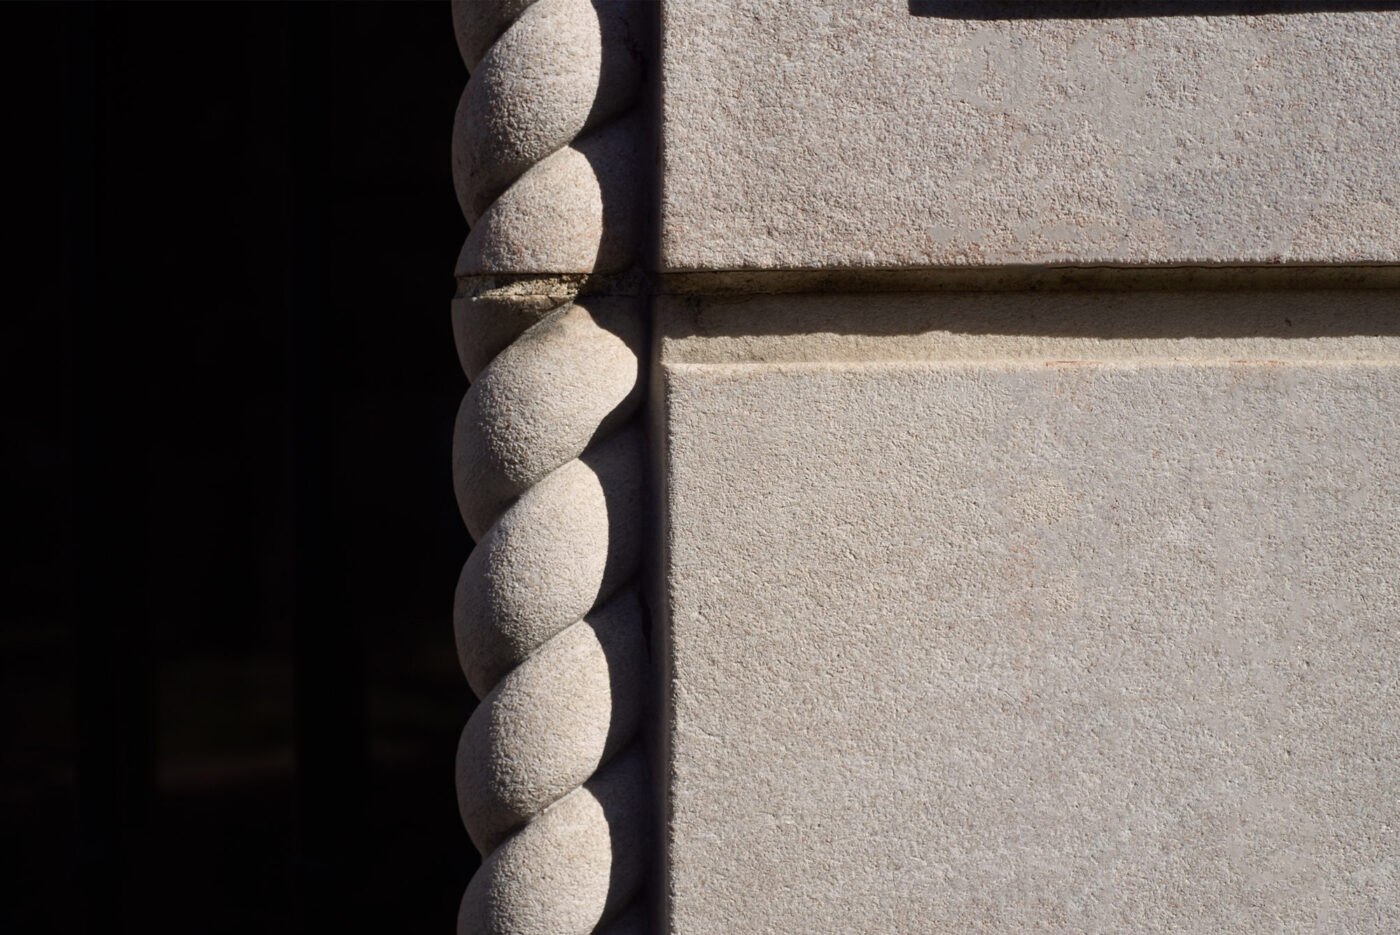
x=227, y=647
x=1119, y=9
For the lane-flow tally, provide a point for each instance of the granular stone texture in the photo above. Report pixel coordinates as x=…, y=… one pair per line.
x=1023, y=613
x=881, y=133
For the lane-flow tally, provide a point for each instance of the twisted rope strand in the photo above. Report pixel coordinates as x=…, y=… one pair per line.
x=548, y=467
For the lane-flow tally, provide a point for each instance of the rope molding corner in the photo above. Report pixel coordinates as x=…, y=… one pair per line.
x=549, y=466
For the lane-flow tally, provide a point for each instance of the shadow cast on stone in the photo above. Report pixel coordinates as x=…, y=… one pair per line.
x=620, y=23
x=619, y=628
x=618, y=458
x=612, y=154
x=612, y=144
x=1120, y=9
x=1294, y=314
x=622, y=622
x=624, y=793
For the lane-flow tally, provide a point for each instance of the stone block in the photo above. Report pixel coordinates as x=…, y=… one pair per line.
x=912, y=133
x=1013, y=612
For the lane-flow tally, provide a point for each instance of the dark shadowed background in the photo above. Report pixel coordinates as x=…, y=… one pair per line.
x=231, y=697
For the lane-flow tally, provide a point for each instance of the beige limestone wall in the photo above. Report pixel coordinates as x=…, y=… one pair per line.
x=980, y=611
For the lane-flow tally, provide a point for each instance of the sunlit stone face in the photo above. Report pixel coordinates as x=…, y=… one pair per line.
x=888, y=133
x=1009, y=612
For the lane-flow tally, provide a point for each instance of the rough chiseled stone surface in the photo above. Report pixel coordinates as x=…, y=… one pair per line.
x=859, y=133
x=1012, y=613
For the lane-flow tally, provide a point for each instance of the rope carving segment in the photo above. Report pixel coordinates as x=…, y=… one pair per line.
x=549, y=468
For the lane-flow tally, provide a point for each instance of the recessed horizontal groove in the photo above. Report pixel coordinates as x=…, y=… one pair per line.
x=1034, y=278
x=1081, y=327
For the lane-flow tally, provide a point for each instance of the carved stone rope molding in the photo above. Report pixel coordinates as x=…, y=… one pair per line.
x=548, y=465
